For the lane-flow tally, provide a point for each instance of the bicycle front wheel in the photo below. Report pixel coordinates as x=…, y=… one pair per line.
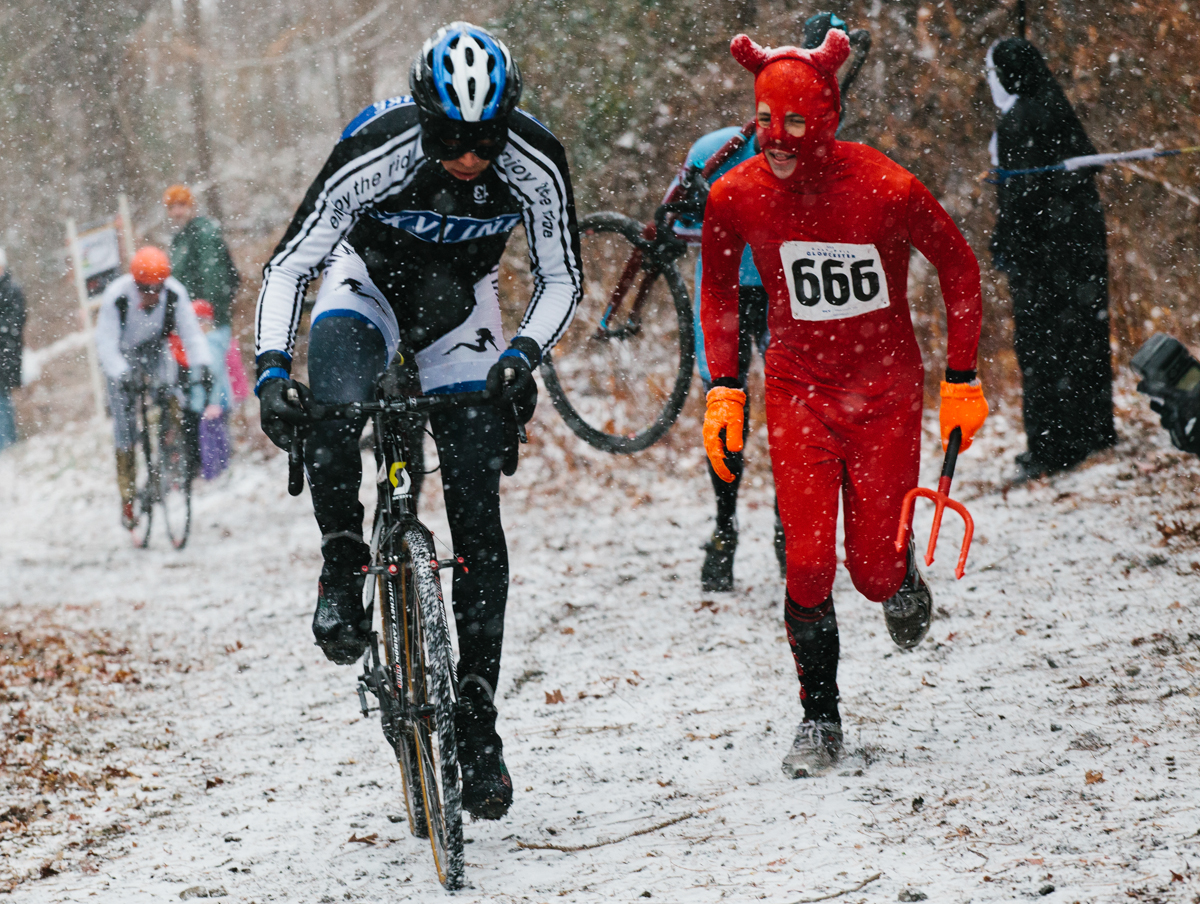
x=146, y=485
x=404, y=668
x=620, y=375
x=433, y=694
x=175, y=475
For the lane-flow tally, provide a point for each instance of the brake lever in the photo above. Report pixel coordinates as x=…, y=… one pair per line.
x=509, y=374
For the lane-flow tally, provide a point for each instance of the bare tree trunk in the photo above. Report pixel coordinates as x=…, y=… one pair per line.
x=204, y=163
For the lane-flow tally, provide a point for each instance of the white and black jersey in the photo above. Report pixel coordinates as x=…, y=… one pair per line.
x=425, y=237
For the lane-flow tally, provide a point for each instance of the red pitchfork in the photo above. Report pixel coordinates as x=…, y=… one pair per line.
x=941, y=498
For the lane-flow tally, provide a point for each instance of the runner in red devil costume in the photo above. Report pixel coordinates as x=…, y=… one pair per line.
x=830, y=224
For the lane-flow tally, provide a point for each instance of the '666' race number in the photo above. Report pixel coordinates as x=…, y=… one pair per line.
x=831, y=281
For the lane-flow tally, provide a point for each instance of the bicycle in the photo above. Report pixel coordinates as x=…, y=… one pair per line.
x=415, y=684
x=620, y=375
x=165, y=465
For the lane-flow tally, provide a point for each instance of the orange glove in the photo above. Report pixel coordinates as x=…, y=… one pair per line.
x=726, y=411
x=963, y=405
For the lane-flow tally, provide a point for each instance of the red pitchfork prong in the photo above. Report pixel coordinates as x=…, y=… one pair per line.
x=941, y=499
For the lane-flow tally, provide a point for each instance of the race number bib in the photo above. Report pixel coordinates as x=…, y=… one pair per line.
x=832, y=281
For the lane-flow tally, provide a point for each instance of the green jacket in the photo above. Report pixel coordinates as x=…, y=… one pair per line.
x=200, y=260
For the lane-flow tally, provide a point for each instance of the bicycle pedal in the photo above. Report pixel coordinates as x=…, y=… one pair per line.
x=362, y=699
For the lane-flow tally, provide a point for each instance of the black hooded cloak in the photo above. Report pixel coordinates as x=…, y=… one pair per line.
x=1050, y=238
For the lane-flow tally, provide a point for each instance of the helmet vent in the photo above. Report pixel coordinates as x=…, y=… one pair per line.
x=465, y=73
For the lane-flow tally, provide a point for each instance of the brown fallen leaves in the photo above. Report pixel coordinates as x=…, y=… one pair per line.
x=555, y=696
x=1093, y=777
x=366, y=839
x=54, y=679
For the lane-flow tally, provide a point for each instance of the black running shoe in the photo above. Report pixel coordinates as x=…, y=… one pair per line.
x=909, y=612
x=487, y=790
x=340, y=624
x=716, y=574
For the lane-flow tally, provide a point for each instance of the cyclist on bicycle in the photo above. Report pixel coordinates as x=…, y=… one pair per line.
x=831, y=225
x=407, y=222
x=139, y=312
x=716, y=574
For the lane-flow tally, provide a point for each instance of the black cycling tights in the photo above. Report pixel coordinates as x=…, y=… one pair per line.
x=344, y=359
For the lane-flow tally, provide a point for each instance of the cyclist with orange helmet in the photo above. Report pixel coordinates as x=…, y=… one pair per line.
x=137, y=314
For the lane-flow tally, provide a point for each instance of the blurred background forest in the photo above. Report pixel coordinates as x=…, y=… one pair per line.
x=244, y=99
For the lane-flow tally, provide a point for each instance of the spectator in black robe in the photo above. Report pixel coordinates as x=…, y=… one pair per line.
x=1050, y=239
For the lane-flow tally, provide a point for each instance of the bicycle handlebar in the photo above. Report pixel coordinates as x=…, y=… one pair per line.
x=409, y=404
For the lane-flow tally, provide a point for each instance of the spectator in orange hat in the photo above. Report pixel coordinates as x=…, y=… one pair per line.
x=199, y=256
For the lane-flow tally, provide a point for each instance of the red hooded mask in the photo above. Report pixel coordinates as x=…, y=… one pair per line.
x=791, y=80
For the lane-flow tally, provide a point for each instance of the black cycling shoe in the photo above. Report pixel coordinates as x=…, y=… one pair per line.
x=716, y=574
x=487, y=790
x=339, y=624
x=909, y=612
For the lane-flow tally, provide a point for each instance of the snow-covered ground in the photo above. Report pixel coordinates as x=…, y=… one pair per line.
x=1041, y=743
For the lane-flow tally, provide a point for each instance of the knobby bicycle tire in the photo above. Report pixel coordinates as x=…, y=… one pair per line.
x=577, y=374
x=438, y=765
x=175, y=474
x=403, y=657
x=146, y=480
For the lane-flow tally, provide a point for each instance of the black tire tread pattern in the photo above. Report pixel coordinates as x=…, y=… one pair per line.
x=442, y=687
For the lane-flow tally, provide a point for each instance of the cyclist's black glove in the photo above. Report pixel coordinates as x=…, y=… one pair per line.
x=1180, y=413
x=282, y=408
x=511, y=378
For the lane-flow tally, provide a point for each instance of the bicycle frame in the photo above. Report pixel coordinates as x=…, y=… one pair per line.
x=656, y=247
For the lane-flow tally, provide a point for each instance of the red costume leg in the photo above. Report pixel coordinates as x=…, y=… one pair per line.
x=807, y=463
x=882, y=464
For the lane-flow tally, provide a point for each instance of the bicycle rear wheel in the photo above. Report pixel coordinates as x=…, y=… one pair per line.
x=621, y=384
x=175, y=474
x=433, y=697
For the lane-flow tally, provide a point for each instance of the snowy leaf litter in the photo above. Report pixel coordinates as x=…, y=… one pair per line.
x=1040, y=744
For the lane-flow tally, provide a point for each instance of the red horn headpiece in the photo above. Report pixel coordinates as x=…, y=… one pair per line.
x=792, y=80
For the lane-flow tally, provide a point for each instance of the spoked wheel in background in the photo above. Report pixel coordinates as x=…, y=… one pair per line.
x=175, y=474
x=620, y=375
x=432, y=699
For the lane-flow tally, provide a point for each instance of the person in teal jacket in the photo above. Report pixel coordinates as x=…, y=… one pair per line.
x=716, y=574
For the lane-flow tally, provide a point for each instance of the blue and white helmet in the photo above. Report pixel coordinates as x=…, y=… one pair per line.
x=466, y=74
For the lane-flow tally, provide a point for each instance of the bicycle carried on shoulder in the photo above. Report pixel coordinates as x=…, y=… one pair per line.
x=165, y=464
x=620, y=375
x=415, y=684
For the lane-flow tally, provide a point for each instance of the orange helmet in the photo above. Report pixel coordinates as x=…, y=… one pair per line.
x=178, y=194
x=150, y=267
